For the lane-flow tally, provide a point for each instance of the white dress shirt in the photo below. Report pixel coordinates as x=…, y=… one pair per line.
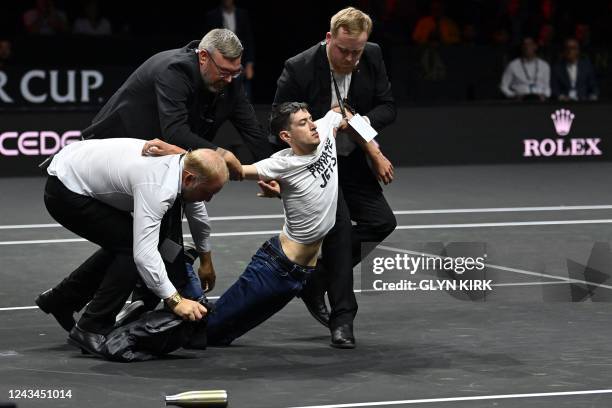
x=114, y=172
x=572, y=72
x=523, y=77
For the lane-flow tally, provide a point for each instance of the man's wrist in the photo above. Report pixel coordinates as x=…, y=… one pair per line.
x=173, y=301
x=372, y=149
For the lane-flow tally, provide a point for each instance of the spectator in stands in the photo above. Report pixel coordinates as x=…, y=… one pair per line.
x=436, y=28
x=235, y=19
x=573, y=78
x=6, y=52
x=527, y=77
x=45, y=19
x=92, y=22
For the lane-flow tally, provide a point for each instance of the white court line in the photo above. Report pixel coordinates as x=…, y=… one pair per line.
x=60, y=241
x=401, y=212
x=500, y=267
x=4, y=309
x=456, y=399
x=399, y=227
x=530, y=283
x=493, y=284
x=505, y=209
x=225, y=218
x=502, y=224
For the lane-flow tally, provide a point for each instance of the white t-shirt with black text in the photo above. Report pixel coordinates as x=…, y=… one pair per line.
x=309, y=184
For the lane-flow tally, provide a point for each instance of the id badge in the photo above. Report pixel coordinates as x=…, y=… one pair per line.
x=532, y=88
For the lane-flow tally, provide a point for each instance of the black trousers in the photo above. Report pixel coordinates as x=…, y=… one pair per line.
x=106, y=279
x=361, y=200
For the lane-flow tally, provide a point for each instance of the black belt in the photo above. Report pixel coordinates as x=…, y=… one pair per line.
x=294, y=270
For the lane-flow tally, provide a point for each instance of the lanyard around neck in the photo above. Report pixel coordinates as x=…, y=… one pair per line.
x=535, y=77
x=338, y=96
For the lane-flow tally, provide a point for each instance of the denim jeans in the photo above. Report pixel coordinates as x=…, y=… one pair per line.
x=188, y=285
x=268, y=283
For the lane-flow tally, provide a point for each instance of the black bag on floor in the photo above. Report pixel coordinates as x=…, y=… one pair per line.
x=152, y=335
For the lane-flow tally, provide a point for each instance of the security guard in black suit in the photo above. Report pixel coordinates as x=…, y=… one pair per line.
x=360, y=75
x=183, y=96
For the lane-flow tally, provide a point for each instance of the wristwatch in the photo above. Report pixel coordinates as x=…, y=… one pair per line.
x=173, y=300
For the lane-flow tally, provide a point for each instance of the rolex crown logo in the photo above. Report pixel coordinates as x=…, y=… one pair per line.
x=562, y=120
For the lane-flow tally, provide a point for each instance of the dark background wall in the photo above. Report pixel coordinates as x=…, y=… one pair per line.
x=455, y=134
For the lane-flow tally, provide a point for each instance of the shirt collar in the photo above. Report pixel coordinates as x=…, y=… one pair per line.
x=181, y=166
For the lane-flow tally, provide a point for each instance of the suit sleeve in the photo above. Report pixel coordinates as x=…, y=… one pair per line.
x=592, y=88
x=506, y=81
x=384, y=111
x=244, y=119
x=287, y=89
x=546, y=80
x=555, y=82
x=173, y=88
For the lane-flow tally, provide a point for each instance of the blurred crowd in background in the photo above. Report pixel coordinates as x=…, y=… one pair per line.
x=435, y=50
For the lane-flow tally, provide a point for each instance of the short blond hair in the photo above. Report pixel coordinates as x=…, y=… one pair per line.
x=352, y=20
x=206, y=165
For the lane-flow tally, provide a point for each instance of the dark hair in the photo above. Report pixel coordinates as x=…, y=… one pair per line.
x=279, y=118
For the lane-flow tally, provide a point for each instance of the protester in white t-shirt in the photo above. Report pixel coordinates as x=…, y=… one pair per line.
x=307, y=172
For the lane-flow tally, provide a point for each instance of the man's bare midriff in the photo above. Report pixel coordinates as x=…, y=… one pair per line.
x=301, y=254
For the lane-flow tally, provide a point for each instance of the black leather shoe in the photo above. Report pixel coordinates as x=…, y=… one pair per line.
x=90, y=342
x=315, y=303
x=342, y=337
x=48, y=303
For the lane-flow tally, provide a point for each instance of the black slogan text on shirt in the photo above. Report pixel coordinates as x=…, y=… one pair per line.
x=325, y=165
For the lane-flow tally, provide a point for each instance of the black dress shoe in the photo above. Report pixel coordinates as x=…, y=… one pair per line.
x=315, y=303
x=87, y=341
x=48, y=303
x=342, y=337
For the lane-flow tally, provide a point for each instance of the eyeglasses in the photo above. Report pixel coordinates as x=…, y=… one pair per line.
x=223, y=73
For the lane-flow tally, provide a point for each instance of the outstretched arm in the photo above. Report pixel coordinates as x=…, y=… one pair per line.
x=249, y=172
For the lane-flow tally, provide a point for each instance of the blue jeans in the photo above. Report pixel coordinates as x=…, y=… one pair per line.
x=188, y=285
x=268, y=283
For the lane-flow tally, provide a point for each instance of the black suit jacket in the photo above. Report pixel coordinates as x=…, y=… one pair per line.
x=214, y=19
x=166, y=98
x=586, y=83
x=307, y=78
